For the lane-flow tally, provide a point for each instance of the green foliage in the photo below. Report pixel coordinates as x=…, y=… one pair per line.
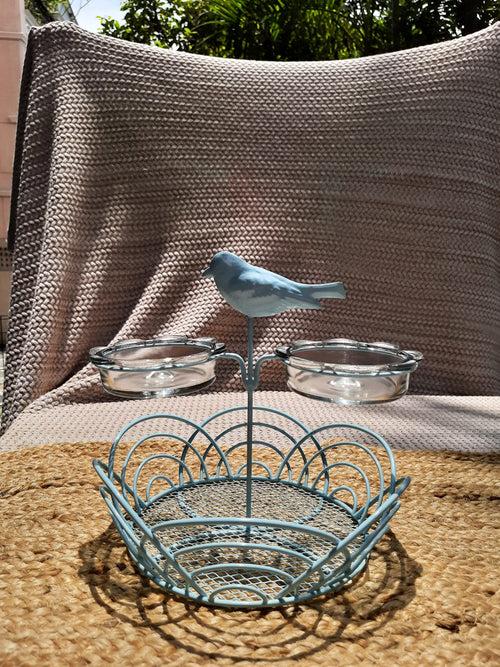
x=42, y=10
x=298, y=29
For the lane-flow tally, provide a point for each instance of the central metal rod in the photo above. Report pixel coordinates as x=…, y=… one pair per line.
x=250, y=388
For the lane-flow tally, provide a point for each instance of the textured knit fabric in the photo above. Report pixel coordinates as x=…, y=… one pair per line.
x=135, y=164
x=451, y=423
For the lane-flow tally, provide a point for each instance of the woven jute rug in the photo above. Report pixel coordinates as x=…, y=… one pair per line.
x=70, y=596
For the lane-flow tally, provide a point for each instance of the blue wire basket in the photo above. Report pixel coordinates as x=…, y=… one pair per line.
x=203, y=521
x=251, y=508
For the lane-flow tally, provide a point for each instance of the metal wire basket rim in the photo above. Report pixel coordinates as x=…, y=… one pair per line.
x=209, y=348
x=355, y=515
x=407, y=360
x=102, y=470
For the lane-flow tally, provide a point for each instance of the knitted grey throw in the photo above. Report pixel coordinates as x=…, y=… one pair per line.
x=135, y=164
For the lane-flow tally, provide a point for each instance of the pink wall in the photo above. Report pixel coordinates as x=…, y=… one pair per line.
x=12, y=47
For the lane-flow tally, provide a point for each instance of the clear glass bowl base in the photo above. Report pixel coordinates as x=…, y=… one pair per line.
x=348, y=390
x=158, y=383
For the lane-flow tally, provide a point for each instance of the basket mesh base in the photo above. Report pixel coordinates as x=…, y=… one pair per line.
x=226, y=555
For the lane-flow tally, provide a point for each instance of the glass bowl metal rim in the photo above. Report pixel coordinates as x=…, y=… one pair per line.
x=198, y=351
x=371, y=359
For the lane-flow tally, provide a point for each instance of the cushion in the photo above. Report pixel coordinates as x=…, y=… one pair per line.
x=452, y=423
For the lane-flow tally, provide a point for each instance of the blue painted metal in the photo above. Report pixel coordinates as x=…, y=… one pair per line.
x=260, y=534
x=257, y=292
x=250, y=389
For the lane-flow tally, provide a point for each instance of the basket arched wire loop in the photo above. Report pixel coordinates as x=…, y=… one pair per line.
x=322, y=499
x=274, y=431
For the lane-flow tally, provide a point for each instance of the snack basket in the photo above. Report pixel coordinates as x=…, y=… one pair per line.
x=251, y=508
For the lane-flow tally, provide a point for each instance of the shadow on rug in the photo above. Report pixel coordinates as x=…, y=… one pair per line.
x=298, y=631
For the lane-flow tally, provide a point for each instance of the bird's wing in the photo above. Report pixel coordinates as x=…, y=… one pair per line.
x=270, y=287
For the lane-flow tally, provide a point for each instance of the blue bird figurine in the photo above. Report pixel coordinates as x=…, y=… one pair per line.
x=256, y=292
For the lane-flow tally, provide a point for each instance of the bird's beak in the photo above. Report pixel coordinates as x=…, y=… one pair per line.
x=207, y=273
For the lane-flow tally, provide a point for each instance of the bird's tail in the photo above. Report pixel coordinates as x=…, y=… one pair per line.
x=327, y=291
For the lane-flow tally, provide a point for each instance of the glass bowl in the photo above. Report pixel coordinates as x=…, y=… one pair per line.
x=170, y=366
x=348, y=371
